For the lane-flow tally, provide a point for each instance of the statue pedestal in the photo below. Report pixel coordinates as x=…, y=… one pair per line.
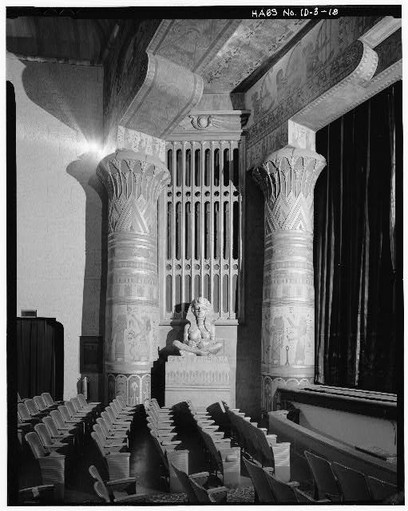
x=202, y=380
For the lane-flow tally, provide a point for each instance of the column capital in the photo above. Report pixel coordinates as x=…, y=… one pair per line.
x=289, y=171
x=134, y=182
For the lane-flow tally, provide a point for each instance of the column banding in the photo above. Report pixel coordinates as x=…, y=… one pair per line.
x=133, y=182
x=287, y=178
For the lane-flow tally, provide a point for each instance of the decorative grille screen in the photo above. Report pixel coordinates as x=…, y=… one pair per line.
x=202, y=218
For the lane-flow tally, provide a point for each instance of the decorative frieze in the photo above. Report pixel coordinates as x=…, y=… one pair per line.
x=201, y=379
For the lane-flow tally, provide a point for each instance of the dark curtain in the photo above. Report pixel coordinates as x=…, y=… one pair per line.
x=358, y=248
x=40, y=357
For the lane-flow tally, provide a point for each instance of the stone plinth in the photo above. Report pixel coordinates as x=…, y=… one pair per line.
x=202, y=380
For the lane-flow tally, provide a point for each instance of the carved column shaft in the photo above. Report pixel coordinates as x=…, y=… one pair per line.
x=287, y=178
x=134, y=182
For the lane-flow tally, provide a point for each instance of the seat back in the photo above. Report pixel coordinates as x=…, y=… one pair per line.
x=64, y=413
x=101, y=422
x=98, y=430
x=380, y=490
x=76, y=404
x=95, y=473
x=101, y=491
x=23, y=412
x=121, y=401
x=264, y=450
x=39, y=403
x=98, y=443
x=107, y=419
x=186, y=484
x=161, y=450
x=31, y=407
x=323, y=475
x=47, y=398
x=201, y=493
x=109, y=411
x=42, y=432
x=58, y=419
x=353, y=484
x=70, y=408
x=35, y=444
x=82, y=400
x=283, y=493
x=262, y=489
x=212, y=449
x=50, y=425
x=115, y=407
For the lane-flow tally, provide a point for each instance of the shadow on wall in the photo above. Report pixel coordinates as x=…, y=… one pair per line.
x=248, y=379
x=96, y=256
x=74, y=96
x=55, y=89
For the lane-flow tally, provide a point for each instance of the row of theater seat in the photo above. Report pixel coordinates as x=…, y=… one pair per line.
x=162, y=423
x=268, y=464
x=343, y=484
x=111, y=434
x=56, y=436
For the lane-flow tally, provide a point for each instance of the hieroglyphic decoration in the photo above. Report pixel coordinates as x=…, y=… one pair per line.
x=271, y=384
x=191, y=43
x=134, y=388
x=252, y=45
x=197, y=370
x=201, y=379
x=325, y=57
x=287, y=178
x=134, y=183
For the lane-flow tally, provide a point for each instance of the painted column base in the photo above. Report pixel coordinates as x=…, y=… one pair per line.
x=270, y=384
x=135, y=388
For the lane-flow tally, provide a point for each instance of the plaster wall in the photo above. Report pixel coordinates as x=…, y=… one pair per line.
x=351, y=428
x=58, y=114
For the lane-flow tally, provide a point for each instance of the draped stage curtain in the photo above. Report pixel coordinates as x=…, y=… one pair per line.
x=40, y=357
x=358, y=247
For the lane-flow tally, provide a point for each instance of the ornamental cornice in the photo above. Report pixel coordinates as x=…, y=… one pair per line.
x=356, y=66
x=336, y=101
x=168, y=93
x=211, y=125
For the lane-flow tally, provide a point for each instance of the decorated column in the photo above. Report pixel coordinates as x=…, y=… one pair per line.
x=134, y=182
x=287, y=178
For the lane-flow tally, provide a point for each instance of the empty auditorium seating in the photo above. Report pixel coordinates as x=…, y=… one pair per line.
x=52, y=465
x=162, y=430
x=210, y=496
x=37, y=495
x=118, y=491
x=324, y=478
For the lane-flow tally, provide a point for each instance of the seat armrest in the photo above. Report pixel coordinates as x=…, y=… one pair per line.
x=218, y=494
x=200, y=477
x=132, y=498
x=127, y=484
x=171, y=442
x=293, y=484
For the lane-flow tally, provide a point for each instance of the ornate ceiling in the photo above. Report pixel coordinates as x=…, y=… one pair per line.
x=226, y=53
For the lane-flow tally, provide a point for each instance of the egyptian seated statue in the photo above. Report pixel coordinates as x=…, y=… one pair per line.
x=199, y=331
